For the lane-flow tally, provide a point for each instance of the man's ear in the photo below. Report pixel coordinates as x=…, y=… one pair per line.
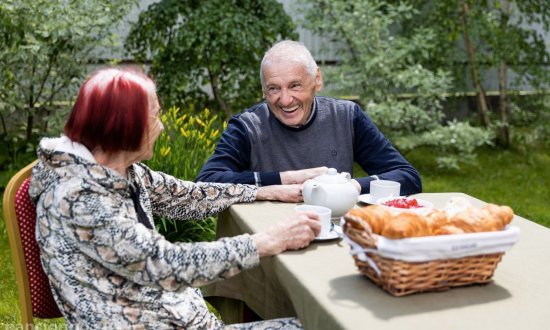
x=318, y=80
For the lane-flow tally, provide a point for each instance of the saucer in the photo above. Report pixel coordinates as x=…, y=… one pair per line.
x=366, y=199
x=335, y=233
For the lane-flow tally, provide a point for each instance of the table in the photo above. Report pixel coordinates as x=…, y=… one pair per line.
x=321, y=285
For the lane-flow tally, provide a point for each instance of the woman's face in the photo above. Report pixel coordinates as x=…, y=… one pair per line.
x=154, y=128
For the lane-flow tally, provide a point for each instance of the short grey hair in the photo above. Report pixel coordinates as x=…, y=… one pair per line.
x=291, y=51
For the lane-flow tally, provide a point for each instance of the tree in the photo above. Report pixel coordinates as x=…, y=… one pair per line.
x=465, y=19
x=216, y=44
x=519, y=48
x=46, y=45
x=383, y=65
x=496, y=35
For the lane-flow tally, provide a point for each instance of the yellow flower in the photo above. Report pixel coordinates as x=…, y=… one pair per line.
x=164, y=151
x=184, y=133
x=180, y=120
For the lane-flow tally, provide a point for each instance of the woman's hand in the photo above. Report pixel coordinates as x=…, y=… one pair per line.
x=291, y=193
x=294, y=233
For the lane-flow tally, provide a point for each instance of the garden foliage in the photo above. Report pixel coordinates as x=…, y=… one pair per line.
x=383, y=66
x=183, y=147
x=217, y=45
x=46, y=46
x=491, y=44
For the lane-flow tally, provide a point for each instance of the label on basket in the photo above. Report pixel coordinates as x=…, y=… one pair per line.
x=447, y=246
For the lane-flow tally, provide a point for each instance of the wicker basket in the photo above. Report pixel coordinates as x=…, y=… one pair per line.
x=401, y=278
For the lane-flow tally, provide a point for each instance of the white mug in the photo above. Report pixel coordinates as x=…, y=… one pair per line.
x=384, y=188
x=324, y=217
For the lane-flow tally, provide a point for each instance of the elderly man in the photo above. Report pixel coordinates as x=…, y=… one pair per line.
x=295, y=135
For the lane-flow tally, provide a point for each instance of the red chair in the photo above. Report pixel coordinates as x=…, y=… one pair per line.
x=35, y=296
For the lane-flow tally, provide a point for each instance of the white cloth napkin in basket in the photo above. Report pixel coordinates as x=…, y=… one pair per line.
x=422, y=249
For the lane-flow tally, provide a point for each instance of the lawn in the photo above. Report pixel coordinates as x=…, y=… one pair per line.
x=518, y=178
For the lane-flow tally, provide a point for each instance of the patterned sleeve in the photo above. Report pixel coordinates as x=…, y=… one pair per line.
x=178, y=199
x=103, y=227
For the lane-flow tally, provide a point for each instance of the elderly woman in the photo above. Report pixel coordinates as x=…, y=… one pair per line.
x=107, y=265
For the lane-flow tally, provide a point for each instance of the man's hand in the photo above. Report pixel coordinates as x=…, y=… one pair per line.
x=291, y=193
x=357, y=185
x=300, y=176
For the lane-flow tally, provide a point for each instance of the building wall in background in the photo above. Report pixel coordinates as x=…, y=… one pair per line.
x=323, y=50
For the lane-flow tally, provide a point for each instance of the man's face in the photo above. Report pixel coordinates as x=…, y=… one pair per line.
x=289, y=91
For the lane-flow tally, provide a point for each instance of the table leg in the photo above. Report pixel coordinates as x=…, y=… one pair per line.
x=230, y=310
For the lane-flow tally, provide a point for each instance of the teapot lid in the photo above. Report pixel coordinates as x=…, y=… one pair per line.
x=332, y=176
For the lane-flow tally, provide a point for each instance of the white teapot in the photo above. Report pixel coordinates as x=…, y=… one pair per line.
x=333, y=190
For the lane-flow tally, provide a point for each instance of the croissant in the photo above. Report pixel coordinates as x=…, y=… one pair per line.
x=447, y=230
x=359, y=226
x=490, y=217
x=503, y=213
x=406, y=224
x=376, y=216
x=355, y=219
x=436, y=219
x=471, y=220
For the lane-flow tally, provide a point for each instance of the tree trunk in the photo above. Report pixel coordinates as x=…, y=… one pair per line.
x=502, y=100
x=214, y=85
x=30, y=123
x=480, y=92
x=4, y=126
x=503, y=105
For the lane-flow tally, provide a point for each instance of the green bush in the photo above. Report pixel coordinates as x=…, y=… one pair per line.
x=216, y=43
x=384, y=67
x=46, y=46
x=181, y=150
x=530, y=116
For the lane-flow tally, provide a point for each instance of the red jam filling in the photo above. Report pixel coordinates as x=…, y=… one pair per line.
x=403, y=203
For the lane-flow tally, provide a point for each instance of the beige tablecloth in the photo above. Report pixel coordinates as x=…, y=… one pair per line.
x=321, y=285
x=257, y=287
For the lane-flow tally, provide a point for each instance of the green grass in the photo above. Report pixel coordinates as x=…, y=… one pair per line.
x=517, y=178
x=512, y=177
x=9, y=311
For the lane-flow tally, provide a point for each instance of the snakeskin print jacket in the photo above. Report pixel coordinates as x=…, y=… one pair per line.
x=108, y=270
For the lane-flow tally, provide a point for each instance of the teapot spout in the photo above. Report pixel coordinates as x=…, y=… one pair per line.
x=309, y=191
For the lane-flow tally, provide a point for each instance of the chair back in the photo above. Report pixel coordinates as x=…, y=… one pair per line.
x=35, y=296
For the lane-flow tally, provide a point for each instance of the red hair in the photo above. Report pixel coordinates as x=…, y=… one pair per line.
x=111, y=111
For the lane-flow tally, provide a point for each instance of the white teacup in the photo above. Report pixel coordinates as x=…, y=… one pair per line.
x=384, y=188
x=324, y=217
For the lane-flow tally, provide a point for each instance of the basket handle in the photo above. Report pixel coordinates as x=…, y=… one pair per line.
x=360, y=251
